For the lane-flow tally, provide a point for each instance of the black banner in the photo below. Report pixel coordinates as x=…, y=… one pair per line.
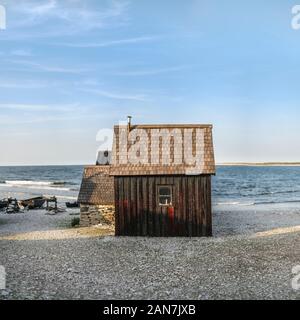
x=145, y=309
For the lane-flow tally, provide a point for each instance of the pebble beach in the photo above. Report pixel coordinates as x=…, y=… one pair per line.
x=250, y=256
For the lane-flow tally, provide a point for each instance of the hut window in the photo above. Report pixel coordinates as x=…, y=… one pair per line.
x=165, y=195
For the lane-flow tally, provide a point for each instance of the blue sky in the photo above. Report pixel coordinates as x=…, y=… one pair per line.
x=72, y=67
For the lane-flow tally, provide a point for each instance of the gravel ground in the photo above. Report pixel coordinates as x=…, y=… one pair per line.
x=246, y=259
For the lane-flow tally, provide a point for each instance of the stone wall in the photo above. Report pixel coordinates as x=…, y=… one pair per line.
x=96, y=214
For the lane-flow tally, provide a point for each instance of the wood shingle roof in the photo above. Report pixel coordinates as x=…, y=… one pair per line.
x=162, y=150
x=97, y=186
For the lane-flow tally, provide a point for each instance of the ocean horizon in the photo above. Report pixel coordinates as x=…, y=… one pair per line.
x=237, y=186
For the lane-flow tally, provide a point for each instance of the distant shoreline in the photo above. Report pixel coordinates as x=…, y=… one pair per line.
x=228, y=164
x=260, y=164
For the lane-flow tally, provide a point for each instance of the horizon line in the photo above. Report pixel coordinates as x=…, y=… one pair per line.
x=243, y=163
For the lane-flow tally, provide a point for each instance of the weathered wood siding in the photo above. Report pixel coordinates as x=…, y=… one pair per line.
x=138, y=212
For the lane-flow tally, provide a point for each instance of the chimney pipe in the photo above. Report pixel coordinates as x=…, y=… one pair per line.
x=129, y=122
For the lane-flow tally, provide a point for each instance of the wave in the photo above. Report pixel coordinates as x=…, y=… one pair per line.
x=47, y=185
x=227, y=203
x=235, y=203
x=256, y=203
x=27, y=182
x=277, y=192
x=276, y=202
x=64, y=197
x=256, y=194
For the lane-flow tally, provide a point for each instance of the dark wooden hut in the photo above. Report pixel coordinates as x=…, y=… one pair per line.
x=162, y=180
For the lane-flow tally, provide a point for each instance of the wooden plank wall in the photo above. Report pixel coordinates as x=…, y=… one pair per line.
x=139, y=214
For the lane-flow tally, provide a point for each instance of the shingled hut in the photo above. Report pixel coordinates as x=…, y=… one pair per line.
x=96, y=195
x=162, y=180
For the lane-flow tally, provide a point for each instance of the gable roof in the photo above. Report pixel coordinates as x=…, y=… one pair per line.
x=162, y=150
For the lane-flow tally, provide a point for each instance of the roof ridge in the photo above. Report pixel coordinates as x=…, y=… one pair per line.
x=157, y=126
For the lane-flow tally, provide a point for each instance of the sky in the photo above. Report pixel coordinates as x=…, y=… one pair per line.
x=72, y=67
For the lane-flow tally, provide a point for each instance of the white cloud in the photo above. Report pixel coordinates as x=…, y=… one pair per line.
x=14, y=114
x=152, y=71
x=40, y=9
x=35, y=66
x=22, y=52
x=111, y=43
x=117, y=96
x=38, y=107
x=49, y=18
x=25, y=84
x=38, y=118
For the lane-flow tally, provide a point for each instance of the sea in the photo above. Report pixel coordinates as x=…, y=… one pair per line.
x=33, y=181
x=233, y=186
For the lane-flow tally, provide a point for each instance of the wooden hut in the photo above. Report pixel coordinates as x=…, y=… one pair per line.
x=162, y=180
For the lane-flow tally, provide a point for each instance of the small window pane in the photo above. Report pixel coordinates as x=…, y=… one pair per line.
x=165, y=195
x=164, y=191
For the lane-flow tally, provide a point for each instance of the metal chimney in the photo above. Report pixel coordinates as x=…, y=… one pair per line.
x=129, y=122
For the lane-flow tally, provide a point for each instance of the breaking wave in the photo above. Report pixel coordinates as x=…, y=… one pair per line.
x=56, y=185
x=256, y=203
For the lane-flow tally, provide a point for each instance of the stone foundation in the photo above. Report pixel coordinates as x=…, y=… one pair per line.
x=97, y=214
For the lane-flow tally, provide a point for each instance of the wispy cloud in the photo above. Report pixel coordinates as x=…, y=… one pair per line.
x=50, y=18
x=111, y=43
x=36, y=118
x=153, y=71
x=41, y=9
x=115, y=95
x=38, y=107
x=35, y=66
x=13, y=113
x=25, y=84
x=6, y=120
x=22, y=53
